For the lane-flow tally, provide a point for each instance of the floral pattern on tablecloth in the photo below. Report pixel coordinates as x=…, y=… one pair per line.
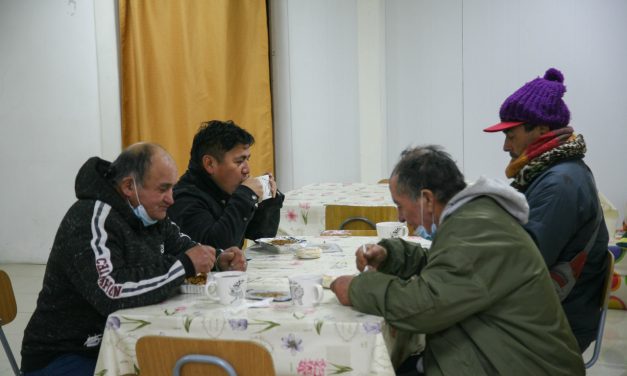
x=328, y=339
x=303, y=209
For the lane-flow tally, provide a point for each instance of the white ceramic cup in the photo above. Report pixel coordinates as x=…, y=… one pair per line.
x=229, y=288
x=265, y=183
x=306, y=289
x=387, y=230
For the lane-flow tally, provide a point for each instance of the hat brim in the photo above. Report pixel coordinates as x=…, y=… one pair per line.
x=503, y=126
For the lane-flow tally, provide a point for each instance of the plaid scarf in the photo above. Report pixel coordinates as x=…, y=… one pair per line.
x=550, y=148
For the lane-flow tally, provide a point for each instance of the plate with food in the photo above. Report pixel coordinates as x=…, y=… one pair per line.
x=277, y=296
x=195, y=284
x=281, y=243
x=309, y=252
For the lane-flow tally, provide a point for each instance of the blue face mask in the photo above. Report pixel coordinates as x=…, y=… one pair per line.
x=421, y=230
x=140, y=212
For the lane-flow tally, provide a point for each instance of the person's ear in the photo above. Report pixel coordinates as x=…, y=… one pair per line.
x=127, y=187
x=543, y=129
x=209, y=163
x=429, y=199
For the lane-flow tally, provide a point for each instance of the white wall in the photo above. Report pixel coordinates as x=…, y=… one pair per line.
x=51, y=114
x=354, y=82
x=315, y=88
x=447, y=67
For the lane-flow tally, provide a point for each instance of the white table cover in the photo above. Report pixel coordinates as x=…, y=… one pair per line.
x=329, y=339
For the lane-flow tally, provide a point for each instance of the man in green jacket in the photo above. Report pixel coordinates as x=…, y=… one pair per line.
x=481, y=293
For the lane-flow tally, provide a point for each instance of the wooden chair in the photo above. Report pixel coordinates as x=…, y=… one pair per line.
x=8, y=311
x=605, y=298
x=346, y=217
x=160, y=355
x=383, y=181
x=362, y=232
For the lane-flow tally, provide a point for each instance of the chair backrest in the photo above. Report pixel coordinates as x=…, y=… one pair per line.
x=8, y=307
x=158, y=355
x=362, y=232
x=605, y=298
x=346, y=217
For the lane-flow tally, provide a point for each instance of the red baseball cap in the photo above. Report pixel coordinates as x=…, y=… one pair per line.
x=503, y=126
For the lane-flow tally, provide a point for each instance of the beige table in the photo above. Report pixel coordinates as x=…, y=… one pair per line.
x=303, y=209
x=328, y=339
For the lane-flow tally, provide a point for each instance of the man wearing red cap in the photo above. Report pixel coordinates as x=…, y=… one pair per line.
x=565, y=218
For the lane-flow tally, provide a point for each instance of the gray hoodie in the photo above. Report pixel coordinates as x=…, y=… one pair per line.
x=510, y=199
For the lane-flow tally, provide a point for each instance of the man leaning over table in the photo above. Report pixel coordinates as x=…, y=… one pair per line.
x=565, y=217
x=115, y=248
x=481, y=293
x=217, y=202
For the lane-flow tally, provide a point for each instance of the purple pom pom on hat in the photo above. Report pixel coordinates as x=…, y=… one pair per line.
x=537, y=102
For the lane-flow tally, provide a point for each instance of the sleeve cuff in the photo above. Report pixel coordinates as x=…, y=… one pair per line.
x=190, y=271
x=246, y=194
x=216, y=267
x=367, y=292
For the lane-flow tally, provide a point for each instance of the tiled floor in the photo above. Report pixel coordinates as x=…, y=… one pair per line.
x=27, y=279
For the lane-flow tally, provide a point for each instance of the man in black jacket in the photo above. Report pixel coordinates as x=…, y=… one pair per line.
x=114, y=249
x=217, y=202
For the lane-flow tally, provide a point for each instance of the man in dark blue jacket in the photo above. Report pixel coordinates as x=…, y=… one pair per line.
x=565, y=219
x=217, y=202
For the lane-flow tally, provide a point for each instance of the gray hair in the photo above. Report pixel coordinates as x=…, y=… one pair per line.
x=135, y=161
x=428, y=167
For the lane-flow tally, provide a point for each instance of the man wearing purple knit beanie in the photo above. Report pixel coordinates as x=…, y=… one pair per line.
x=565, y=218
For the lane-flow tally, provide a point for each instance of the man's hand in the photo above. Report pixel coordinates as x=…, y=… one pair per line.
x=373, y=256
x=340, y=288
x=255, y=184
x=203, y=257
x=232, y=259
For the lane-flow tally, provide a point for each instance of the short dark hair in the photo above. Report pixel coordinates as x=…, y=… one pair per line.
x=135, y=160
x=529, y=127
x=217, y=137
x=428, y=167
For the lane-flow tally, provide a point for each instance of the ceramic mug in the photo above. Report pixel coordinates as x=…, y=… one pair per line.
x=265, y=184
x=391, y=230
x=229, y=288
x=306, y=289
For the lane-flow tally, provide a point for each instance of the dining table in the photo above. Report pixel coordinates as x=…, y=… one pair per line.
x=325, y=339
x=303, y=211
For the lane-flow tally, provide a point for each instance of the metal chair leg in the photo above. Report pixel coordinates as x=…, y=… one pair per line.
x=9, y=353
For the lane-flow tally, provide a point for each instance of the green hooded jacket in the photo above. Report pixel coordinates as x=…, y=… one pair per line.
x=481, y=294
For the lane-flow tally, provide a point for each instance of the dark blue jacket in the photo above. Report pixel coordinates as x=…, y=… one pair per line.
x=563, y=205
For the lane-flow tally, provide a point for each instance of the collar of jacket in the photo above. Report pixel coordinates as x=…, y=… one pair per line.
x=203, y=180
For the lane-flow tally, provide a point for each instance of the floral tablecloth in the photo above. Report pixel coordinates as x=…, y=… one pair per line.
x=326, y=340
x=303, y=209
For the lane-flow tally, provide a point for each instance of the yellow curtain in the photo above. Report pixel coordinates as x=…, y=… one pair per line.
x=186, y=62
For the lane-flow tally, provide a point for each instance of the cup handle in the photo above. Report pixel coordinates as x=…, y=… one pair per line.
x=211, y=289
x=319, y=293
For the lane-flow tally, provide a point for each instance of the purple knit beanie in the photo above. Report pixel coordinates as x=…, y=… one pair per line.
x=537, y=102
